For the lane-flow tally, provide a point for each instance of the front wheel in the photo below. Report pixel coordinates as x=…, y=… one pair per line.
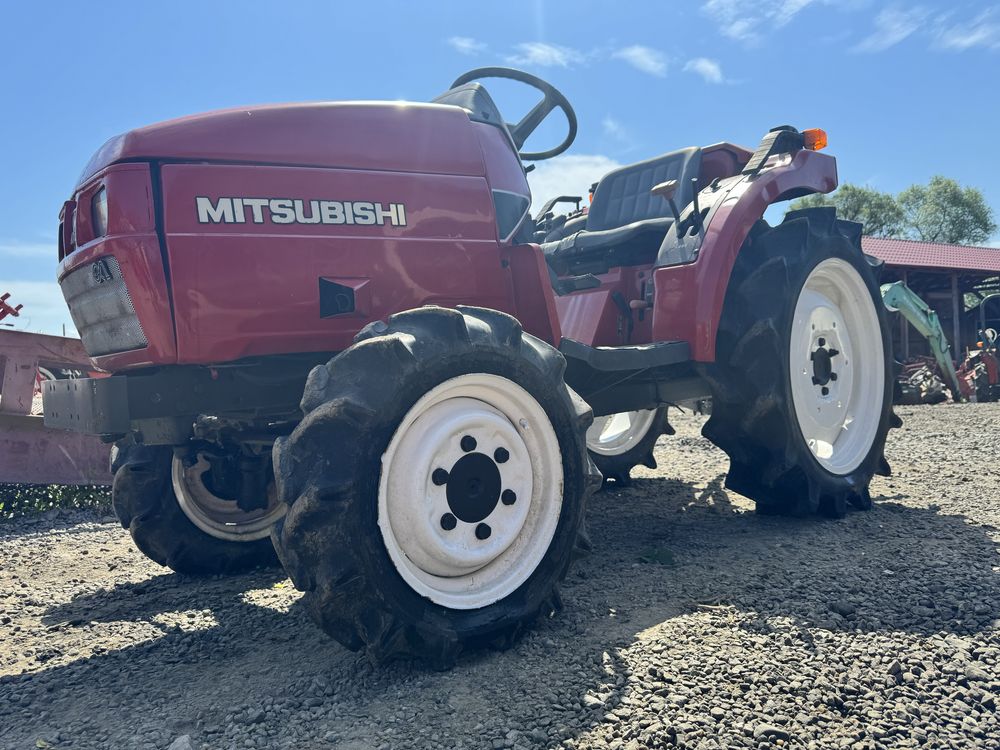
x=436, y=485
x=802, y=388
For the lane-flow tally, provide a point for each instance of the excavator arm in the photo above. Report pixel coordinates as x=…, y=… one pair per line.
x=898, y=297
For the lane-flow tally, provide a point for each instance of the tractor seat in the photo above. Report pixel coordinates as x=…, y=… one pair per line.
x=624, y=212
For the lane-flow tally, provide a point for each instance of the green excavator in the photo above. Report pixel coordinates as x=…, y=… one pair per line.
x=898, y=297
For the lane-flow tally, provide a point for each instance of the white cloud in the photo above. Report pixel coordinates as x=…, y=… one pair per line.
x=567, y=175
x=44, y=308
x=614, y=128
x=788, y=9
x=19, y=249
x=708, y=69
x=746, y=20
x=892, y=26
x=545, y=55
x=643, y=58
x=467, y=45
x=982, y=31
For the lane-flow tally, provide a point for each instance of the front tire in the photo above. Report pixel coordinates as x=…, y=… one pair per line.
x=802, y=388
x=436, y=485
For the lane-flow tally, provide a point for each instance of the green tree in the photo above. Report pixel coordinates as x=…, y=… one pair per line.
x=944, y=211
x=940, y=211
x=880, y=213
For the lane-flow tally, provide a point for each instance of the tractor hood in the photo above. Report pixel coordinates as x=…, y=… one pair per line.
x=396, y=136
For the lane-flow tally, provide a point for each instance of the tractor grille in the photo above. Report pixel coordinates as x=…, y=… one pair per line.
x=102, y=309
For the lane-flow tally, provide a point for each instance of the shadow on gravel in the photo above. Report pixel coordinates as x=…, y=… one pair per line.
x=897, y=568
x=168, y=592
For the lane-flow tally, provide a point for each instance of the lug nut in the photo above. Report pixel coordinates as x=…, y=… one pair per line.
x=448, y=522
x=439, y=477
x=508, y=497
x=483, y=531
x=501, y=455
x=833, y=376
x=822, y=341
x=824, y=390
x=468, y=443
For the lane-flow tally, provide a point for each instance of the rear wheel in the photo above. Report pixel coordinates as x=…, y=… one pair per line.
x=802, y=388
x=165, y=498
x=619, y=442
x=436, y=505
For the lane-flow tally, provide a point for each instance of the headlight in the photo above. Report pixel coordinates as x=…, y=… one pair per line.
x=99, y=212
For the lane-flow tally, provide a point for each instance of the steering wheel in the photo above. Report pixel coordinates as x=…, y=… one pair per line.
x=552, y=98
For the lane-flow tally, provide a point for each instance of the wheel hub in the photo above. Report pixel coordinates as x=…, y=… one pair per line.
x=822, y=362
x=470, y=491
x=837, y=365
x=473, y=487
x=467, y=464
x=615, y=434
x=218, y=516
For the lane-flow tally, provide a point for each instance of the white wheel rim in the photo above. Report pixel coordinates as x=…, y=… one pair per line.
x=615, y=434
x=217, y=516
x=837, y=397
x=457, y=567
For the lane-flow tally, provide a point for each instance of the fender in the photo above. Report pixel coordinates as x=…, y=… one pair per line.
x=532, y=298
x=689, y=297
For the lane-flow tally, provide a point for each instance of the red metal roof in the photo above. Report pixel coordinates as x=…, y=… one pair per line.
x=933, y=255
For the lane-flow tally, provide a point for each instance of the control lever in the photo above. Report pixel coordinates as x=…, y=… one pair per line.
x=666, y=191
x=697, y=209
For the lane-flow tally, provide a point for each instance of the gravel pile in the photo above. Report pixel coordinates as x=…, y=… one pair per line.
x=694, y=624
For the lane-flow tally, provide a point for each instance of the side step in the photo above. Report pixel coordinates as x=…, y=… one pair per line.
x=634, y=357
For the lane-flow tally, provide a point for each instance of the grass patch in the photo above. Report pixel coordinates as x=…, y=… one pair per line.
x=27, y=499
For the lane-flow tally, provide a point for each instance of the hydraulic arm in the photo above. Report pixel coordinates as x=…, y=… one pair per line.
x=898, y=297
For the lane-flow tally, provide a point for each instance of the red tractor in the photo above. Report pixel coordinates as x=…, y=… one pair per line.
x=335, y=332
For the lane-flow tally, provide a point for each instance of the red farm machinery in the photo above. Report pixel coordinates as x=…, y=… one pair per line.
x=336, y=335
x=31, y=454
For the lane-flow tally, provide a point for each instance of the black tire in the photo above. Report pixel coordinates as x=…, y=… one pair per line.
x=144, y=501
x=619, y=467
x=329, y=469
x=753, y=416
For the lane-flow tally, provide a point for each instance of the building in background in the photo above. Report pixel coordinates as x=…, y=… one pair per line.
x=957, y=281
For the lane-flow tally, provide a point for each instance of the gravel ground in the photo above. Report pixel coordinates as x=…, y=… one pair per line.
x=694, y=624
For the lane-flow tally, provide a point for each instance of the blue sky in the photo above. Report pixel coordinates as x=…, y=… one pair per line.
x=905, y=89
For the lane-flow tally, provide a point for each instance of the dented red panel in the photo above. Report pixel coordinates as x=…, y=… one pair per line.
x=689, y=298
x=32, y=454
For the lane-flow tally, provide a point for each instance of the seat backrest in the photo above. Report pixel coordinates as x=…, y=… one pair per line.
x=623, y=196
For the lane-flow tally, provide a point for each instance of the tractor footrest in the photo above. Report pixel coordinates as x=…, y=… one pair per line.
x=634, y=357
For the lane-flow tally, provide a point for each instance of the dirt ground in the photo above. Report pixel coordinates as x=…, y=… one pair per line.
x=694, y=624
